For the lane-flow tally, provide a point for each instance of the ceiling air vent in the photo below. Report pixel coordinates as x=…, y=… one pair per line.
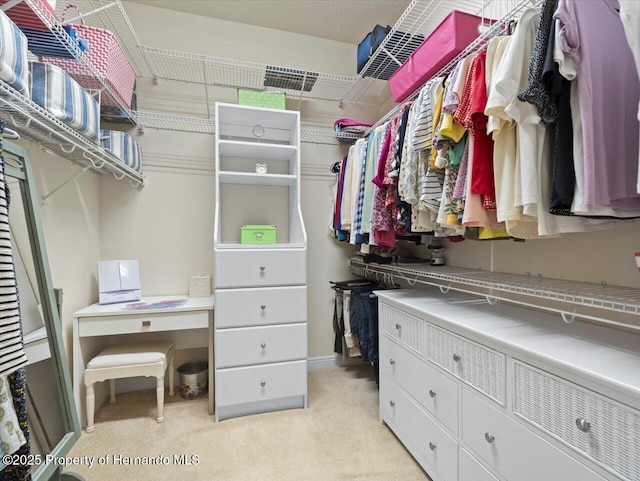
x=289, y=79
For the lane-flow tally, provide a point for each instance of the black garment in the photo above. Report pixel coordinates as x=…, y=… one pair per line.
x=563, y=180
x=536, y=93
x=558, y=88
x=404, y=209
x=338, y=307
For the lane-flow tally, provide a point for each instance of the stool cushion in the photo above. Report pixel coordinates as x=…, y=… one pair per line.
x=131, y=354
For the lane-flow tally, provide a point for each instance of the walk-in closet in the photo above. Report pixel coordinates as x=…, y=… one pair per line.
x=320, y=240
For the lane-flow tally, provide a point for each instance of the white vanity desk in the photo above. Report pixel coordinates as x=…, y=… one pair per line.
x=189, y=326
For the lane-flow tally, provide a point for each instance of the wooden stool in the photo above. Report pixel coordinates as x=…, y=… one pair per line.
x=129, y=360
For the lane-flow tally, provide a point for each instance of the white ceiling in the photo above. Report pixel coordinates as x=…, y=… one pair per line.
x=342, y=20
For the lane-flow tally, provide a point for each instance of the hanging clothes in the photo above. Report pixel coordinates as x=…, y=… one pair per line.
x=12, y=355
x=593, y=35
x=630, y=17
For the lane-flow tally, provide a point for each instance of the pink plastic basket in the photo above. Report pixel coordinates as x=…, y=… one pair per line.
x=107, y=56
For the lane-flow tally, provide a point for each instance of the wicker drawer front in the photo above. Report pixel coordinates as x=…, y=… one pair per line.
x=513, y=450
x=473, y=363
x=405, y=328
x=556, y=406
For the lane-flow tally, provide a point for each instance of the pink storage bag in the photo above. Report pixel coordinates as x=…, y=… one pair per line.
x=450, y=37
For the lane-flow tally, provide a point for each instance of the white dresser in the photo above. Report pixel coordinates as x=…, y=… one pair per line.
x=260, y=289
x=485, y=393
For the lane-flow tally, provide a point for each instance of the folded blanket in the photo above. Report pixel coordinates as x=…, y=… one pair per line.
x=123, y=147
x=61, y=96
x=13, y=56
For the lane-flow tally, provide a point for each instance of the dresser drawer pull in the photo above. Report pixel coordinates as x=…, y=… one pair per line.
x=398, y=326
x=489, y=437
x=392, y=404
x=456, y=357
x=146, y=323
x=263, y=383
x=432, y=446
x=263, y=307
x=263, y=345
x=583, y=425
x=262, y=268
x=432, y=393
x=392, y=362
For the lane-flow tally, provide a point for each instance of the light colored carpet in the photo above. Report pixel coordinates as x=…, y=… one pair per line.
x=338, y=438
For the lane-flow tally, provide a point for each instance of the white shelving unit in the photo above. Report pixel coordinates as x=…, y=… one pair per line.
x=260, y=289
x=224, y=72
x=37, y=125
x=529, y=289
x=178, y=123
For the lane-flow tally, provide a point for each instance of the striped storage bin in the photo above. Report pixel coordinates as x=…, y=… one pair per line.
x=123, y=147
x=61, y=96
x=13, y=56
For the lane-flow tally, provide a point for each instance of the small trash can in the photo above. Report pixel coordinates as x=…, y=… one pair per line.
x=193, y=378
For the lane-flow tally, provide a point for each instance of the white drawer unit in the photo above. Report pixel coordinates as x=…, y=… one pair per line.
x=516, y=394
x=600, y=428
x=260, y=323
x=253, y=384
x=429, y=441
x=171, y=321
x=261, y=345
x=513, y=450
x=475, y=364
x=260, y=267
x=404, y=327
x=433, y=390
x=261, y=306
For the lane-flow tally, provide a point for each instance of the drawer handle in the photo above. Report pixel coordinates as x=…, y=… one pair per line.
x=583, y=425
x=263, y=383
x=489, y=437
x=432, y=393
x=263, y=307
x=263, y=345
x=392, y=404
x=432, y=446
x=392, y=362
x=262, y=268
x=456, y=357
x=146, y=323
x=398, y=326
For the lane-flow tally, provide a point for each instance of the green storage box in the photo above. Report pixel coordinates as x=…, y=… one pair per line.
x=269, y=100
x=258, y=234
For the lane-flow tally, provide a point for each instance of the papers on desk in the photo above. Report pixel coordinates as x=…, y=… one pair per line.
x=165, y=304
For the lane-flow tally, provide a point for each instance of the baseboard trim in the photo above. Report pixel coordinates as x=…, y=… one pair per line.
x=320, y=363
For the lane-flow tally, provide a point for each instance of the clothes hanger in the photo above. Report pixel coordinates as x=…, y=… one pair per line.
x=335, y=168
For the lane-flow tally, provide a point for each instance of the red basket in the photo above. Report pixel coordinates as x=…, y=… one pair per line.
x=107, y=56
